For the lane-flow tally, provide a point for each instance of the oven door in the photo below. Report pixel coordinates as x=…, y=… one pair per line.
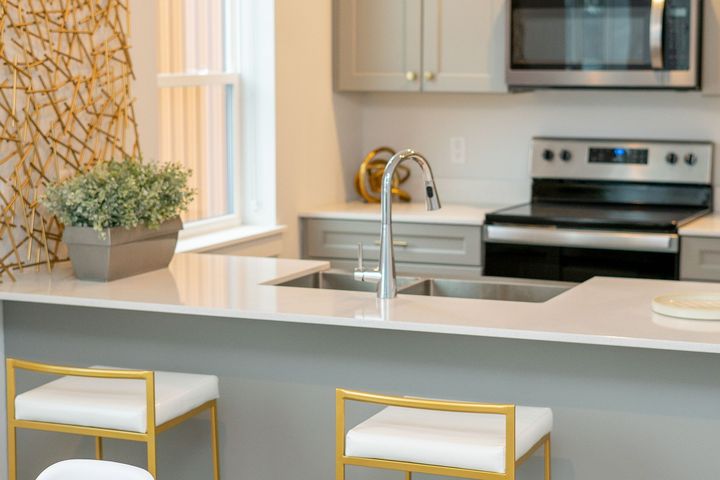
x=604, y=43
x=577, y=255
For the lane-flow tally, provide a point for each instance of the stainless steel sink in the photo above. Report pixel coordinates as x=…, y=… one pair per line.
x=491, y=288
x=340, y=281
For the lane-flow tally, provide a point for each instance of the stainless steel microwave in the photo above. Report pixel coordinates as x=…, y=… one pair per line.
x=604, y=44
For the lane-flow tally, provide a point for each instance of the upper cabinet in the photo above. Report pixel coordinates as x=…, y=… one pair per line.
x=464, y=45
x=378, y=45
x=420, y=45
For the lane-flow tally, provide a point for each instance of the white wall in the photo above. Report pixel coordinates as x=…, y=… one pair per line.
x=144, y=57
x=315, y=127
x=498, y=129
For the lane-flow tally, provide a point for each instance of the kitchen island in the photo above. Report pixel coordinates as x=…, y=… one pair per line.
x=635, y=395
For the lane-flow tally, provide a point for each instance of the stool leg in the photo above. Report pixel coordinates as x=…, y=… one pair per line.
x=547, y=458
x=152, y=457
x=339, y=471
x=215, y=445
x=98, y=448
x=408, y=475
x=12, y=453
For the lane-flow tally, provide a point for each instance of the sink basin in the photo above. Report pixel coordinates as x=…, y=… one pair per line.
x=491, y=288
x=340, y=281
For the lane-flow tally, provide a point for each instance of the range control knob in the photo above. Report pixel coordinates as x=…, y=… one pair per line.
x=691, y=159
x=566, y=155
x=548, y=154
x=671, y=158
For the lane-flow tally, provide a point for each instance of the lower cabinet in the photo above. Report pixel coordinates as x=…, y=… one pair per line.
x=420, y=249
x=700, y=258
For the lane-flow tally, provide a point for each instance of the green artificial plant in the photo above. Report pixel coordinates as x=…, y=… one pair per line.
x=126, y=193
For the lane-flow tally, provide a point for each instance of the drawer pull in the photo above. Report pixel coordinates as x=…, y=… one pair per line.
x=396, y=243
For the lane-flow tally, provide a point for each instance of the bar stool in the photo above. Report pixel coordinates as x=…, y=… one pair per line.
x=93, y=470
x=104, y=402
x=453, y=439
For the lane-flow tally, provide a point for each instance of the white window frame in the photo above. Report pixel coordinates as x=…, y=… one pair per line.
x=224, y=79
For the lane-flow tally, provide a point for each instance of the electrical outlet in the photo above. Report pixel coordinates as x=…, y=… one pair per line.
x=458, y=150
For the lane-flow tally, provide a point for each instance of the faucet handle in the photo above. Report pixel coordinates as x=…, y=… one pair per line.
x=361, y=265
x=362, y=275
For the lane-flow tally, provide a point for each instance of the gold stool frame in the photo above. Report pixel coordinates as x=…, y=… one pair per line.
x=149, y=438
x=341, y=460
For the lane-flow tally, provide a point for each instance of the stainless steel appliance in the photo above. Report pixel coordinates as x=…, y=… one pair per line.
x=601, y=207
x=604, y=44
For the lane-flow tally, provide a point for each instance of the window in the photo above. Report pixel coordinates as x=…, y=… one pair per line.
x=199, y=104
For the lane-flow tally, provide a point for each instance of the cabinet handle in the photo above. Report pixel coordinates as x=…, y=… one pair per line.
x=411, y=76
x=429, y=76
x=396, y=243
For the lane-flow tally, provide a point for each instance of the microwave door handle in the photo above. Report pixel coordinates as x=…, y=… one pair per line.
x=657, y=22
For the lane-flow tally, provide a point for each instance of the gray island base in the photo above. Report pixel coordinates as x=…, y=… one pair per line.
x=620, y=413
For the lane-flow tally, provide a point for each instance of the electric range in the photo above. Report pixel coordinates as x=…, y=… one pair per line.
x=602, y=207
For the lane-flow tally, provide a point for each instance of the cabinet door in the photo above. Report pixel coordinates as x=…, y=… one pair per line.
x=700, y=259
x=464, y=45
x=378, y=45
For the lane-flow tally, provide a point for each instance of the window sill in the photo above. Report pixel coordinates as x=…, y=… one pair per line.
x=227, y=238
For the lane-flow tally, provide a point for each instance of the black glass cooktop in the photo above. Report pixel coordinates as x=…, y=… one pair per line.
x=616, y=217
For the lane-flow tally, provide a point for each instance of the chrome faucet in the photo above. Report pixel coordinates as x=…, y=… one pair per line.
x=384, y=275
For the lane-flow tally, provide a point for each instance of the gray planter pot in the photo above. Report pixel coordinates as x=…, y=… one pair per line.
x=123, y=252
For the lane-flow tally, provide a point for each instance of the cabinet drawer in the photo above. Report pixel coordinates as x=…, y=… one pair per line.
x=700, y=258
x=414, y=242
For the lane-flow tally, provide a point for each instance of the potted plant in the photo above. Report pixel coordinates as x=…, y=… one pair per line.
x=121, y=217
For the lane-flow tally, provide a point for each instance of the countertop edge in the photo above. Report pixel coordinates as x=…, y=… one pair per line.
x=707, y=226
x=512, y=334
x=397, y=218
x=450, y=214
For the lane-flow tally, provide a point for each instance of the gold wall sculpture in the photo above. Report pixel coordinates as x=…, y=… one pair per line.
x=65, y=105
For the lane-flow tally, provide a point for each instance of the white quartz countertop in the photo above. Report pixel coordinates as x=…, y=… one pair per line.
x=601, y=311
x=449, y=214
x=707, y=226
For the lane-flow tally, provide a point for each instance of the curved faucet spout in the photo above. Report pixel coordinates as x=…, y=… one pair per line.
x=387, y=286
x=431, y=197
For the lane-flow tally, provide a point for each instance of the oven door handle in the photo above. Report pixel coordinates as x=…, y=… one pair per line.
x=657, y=25
x=574, y=238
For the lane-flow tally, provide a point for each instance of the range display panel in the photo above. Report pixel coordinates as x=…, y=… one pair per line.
x=619, y=155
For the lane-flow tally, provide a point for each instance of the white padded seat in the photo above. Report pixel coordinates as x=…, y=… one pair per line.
x=450, y=439
x=116, y=404
x=93, y=470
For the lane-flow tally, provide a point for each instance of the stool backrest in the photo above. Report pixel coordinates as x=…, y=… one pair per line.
x=93, y=470
x=13, y=364
x=508, y=411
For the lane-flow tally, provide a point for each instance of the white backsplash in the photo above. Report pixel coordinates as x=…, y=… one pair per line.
x=498, y=129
